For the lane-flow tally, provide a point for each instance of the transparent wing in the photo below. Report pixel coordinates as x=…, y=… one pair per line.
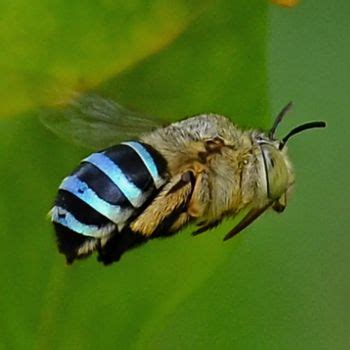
x=95, y=122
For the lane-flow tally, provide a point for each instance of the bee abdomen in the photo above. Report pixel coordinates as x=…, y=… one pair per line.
x=107, y=189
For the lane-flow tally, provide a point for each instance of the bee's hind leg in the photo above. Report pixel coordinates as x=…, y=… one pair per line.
x=117, y=245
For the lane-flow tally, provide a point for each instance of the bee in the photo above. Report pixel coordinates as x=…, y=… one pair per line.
x=200, y=170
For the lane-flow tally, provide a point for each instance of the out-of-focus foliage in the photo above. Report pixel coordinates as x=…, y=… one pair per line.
x=278, y=285
x=286, y=3
x=49, y=46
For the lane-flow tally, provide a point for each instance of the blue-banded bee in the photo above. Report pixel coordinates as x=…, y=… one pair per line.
x=201, y=169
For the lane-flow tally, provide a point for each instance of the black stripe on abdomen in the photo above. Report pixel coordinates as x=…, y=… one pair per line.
x=131, y=165
x=109, y=187
x=83, y=212
x=101, y=185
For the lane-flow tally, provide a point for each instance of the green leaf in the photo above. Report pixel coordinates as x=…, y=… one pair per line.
x=47, y=46
x=171, y=59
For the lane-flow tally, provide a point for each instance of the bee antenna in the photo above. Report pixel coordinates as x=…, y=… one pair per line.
x=278, y=119
x=300, y=128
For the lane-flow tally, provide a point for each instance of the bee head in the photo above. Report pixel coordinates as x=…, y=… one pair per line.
x=275, y=163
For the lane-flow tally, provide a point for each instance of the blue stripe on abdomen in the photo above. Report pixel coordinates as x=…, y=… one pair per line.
x=107, y=166
x=148, y=161
x=101, y=184
x=80, y=210
x=65, y=218
x=102, y=193
x=81, y=190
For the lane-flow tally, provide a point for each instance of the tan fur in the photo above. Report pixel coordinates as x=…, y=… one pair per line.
x=163, y=205
x=180, y=222
x=200, y=197
x=227, y=164
x=88, y=247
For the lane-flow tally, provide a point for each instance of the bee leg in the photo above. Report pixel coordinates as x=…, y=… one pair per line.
x=73, y=245
x=252, y=215
x=200, y=197
x=199, y=204
x=206, y=227
x=180, y=222
x=166, y=210
x=117, y=245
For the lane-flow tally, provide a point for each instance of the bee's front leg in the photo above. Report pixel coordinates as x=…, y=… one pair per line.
x=200, y=198
x=200, y=204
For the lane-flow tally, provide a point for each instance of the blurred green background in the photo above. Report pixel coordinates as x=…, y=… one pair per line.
x=281, y=284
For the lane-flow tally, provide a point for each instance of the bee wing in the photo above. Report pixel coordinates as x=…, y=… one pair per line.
x=96, y=122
